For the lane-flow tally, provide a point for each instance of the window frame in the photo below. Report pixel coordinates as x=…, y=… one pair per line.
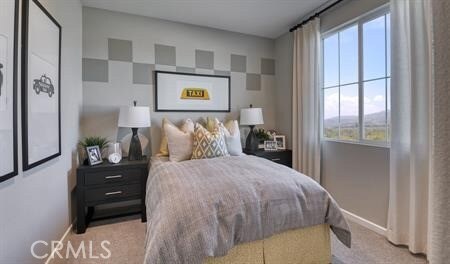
x=359, y=21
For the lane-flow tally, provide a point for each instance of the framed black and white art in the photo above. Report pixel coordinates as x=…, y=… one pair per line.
x=9, y=15
x=41, y=72
x=189, y=92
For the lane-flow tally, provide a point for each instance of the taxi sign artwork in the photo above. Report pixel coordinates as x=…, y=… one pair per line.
x=195, y=94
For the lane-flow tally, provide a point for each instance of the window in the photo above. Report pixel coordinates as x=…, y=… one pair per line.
x=356, y=80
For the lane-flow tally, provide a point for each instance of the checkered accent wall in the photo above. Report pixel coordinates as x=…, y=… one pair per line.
x=97, y=70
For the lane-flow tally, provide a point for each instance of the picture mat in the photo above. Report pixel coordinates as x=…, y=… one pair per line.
x=7, y=12
x=43, y=58
x=170, y=87
x=4, y=91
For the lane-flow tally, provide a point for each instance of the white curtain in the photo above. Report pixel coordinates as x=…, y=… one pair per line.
x=439, y=249
x=411, y=115
x=306, y=100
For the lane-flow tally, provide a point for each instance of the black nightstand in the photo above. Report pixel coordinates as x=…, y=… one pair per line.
x=283, y=157
x=109, y=183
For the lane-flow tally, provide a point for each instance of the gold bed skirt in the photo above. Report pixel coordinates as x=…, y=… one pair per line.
x=304, y=245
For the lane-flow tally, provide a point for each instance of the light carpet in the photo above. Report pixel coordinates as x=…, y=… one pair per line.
x=127, y=241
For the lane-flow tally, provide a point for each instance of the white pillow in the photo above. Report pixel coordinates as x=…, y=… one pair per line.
x=232, y=137
x=180, y=141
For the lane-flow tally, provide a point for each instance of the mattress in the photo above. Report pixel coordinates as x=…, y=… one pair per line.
x=203, y=208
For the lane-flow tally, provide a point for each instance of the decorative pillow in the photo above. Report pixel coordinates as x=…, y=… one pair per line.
x=179, y=141
x=232, y=137
x=212, y=123
x=208, y=144
x=188, y=126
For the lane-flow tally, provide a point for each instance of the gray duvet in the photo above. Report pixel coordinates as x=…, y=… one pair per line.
x=201, y=208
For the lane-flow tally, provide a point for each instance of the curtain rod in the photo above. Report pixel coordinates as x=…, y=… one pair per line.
x=314, y=16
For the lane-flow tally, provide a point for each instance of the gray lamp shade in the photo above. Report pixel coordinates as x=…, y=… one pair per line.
x=251, y=116
x=134, y=116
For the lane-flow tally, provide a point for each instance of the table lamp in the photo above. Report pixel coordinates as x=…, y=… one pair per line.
x=134, y=117
x=251, y=117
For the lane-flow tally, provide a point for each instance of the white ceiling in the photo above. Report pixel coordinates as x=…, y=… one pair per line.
x=265, y=18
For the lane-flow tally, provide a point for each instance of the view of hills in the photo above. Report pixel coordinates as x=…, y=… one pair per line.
x=370, y=120
x=374, y=127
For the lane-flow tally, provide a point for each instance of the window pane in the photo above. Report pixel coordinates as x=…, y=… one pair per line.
x=388, y=40
x=349, y=121
x=388, y=82
x=331, y=113
x=374, y=49
x=375, y=110
x=348, y=47
x=331, y=61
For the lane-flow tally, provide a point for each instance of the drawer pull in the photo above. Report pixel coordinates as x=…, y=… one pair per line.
x=276, y=159
x=113, y=177
x=113, y=193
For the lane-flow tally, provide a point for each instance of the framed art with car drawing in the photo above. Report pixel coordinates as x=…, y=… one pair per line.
x=9, y=15
x=41, y=72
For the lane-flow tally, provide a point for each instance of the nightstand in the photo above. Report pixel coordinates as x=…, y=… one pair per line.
x=110, y=183
x=283, y=157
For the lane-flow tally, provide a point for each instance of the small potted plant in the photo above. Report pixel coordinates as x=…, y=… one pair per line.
x=262, y=136
x=101, y=142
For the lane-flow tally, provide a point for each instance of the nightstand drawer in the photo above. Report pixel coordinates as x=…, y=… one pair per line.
x=113, y=192
x=112, y=176
x=283, y=157
x=280, y=160
x=275, y=156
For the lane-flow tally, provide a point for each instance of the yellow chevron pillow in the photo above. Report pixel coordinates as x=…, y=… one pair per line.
x=208, y=144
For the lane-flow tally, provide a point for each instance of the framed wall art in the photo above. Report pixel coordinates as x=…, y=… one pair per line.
x=188, y=92
x=41, y=97
x=9, y=15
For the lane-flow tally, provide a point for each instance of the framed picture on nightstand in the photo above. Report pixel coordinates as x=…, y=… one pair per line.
x=94, y=155
x=270, y=145
x=281, y=142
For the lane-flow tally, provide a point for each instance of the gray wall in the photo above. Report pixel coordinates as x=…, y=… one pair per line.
x=35, y=205
x=110, y=80
x=439, y=208
x=356, y=175
x=284, y=46
x=358, y=178
x=346, y=11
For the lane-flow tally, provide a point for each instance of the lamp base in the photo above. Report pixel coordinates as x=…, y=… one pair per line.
x=251, y=144
x=135, y=150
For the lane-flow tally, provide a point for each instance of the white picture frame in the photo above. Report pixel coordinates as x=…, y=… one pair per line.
x=270, y=145
x=8, y=88
x=189, y=92
x=281, y=142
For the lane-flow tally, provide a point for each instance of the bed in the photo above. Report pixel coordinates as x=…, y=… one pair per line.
x=238, y=209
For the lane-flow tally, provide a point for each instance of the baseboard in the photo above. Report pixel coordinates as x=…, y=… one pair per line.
x=366, y=223
x=52, y=254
